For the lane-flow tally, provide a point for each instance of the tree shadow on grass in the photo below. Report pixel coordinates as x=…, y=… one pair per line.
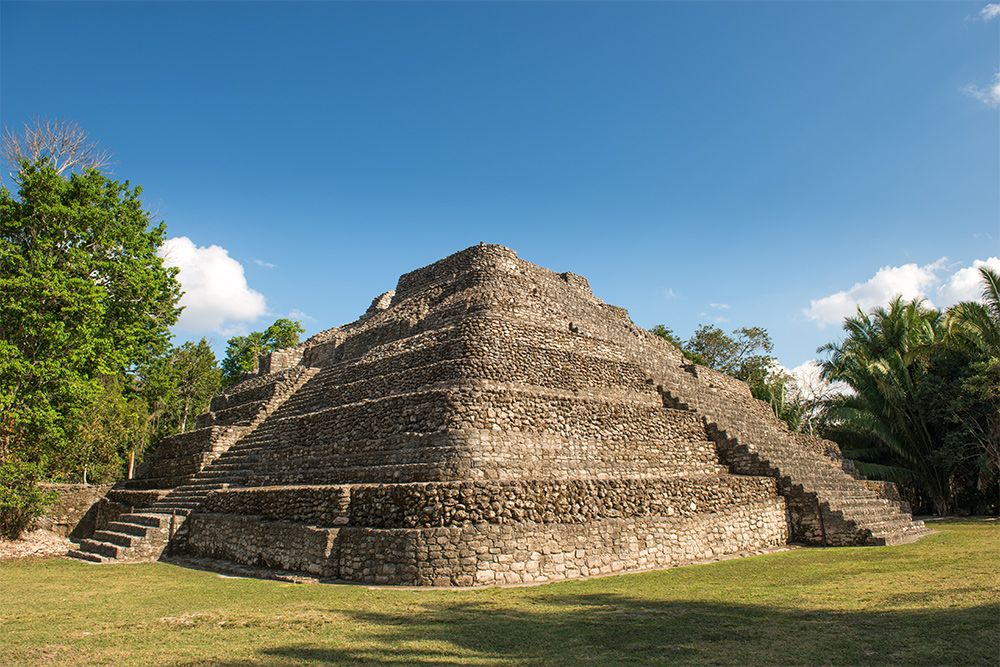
x=613, y=629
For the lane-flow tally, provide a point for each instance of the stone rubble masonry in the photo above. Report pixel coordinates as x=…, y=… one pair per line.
x=490, y=422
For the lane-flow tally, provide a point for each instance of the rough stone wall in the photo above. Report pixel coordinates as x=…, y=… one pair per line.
x=74, y=512
x=489, y=554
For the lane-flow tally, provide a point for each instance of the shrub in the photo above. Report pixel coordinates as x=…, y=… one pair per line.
x=21, y=499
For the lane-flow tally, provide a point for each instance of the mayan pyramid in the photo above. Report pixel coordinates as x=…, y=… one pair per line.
x=488, y=422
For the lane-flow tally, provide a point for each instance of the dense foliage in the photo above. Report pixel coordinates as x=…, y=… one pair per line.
x=84, y=301
x=925, y=407
x=88, y=378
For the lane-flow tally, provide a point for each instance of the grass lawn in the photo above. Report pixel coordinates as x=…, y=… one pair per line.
x=936, y=602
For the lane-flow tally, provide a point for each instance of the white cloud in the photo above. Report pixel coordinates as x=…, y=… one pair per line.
x=216, y=295
x=990, y=95
x=965, y=284
x=262, y=263
x=669, y=293
x=909, y=281
x=720, y=306
x=990, y=11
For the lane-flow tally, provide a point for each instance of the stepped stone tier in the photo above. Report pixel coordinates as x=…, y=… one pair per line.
x=488, y=422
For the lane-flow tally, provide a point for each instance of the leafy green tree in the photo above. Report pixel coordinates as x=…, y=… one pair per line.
x=104, y=435
x=243, y=352
x=179, y=386
x=83, y=296
x=746, y=354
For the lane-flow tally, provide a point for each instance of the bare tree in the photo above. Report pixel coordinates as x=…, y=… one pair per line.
x=65, y=143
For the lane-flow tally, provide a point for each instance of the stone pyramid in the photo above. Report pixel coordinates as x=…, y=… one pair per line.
x=488, y=422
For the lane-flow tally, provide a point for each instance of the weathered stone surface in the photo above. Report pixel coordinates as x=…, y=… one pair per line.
x=492, y=422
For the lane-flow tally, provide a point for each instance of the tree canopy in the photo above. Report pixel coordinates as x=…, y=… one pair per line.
x=83, y=296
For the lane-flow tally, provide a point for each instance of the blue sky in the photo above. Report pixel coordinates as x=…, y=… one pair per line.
x=765, y=164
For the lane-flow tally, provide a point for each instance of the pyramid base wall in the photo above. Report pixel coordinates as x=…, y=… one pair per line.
x=489, y=554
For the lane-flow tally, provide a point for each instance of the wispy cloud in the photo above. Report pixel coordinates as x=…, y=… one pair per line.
x=296, y=314
x=719, y=306
x=669, y=293
x=989, y=95
x=990, y=11
x=262, y=263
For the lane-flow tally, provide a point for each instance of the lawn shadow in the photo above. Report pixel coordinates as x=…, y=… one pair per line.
x=615, y=629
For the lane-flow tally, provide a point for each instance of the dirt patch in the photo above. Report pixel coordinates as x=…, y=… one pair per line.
x=34, y=544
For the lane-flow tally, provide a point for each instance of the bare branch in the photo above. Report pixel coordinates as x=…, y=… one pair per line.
x=65, y=143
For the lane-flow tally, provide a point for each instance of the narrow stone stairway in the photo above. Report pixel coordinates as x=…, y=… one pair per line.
x=146, y=534
x=827, y=504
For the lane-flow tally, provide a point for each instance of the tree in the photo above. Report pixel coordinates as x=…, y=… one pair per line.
x=83, y=296
x=746, y=354
x=974, y=329
x=243, y=352
x=887, y=424
x=63, y=145
x=178, y=386
x=104, y=435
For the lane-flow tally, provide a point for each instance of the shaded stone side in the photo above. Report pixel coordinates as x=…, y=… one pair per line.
x=275, y=545
x=534, y=553
x=490, y=554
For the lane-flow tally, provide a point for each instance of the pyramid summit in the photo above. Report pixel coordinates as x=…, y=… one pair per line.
x=487, y=422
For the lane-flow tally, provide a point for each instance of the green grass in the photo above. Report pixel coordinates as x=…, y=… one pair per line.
x=936, y=602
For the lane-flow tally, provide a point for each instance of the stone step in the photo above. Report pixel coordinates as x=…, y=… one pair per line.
x=185, y=495
x=165, y=512
x=217, y=476
x=906, y=536
x=112, y=537
x=136, y=529
x=177, y=505
x=204, y=486
x=862, y=507
x=105, y=549
x=893, y=529
x=87, y=556
x=145, y=518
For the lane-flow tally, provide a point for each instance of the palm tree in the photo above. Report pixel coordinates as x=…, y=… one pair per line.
x=977, y=324
x=883, y=359
x=975, y=327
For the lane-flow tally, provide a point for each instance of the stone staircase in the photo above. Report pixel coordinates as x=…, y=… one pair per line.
x=828, y=505
x=145, y=535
